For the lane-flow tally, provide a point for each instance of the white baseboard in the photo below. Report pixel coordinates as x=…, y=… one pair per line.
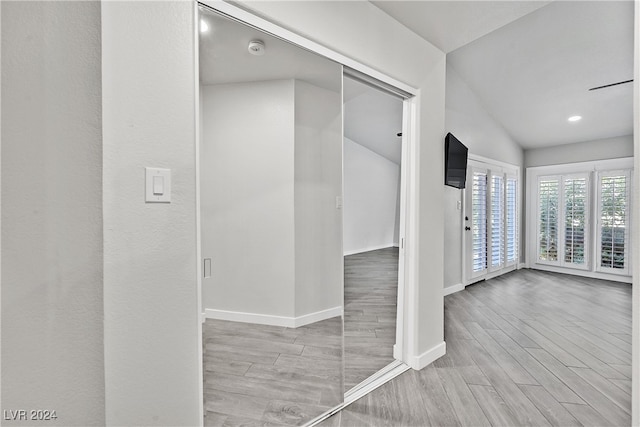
x=396, y=352
x=428, y=357
x=522, y=265
x=370, y=248
x=266, y=319
x=453, y=289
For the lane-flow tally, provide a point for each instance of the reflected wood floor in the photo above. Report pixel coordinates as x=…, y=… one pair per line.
x=527, y=348
x=270, y=375
x=370, y=306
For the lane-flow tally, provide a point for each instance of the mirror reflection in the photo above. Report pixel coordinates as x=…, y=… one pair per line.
x=372, y=211
x=271, y=227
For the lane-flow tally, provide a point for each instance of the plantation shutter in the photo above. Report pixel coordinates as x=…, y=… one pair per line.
x=548, y=219
x=479, y=221
x=497, y=221
x=613, y=227
x=575, y=219
x=511, y=228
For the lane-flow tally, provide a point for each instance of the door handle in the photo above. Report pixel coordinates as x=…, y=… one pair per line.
x=467, y=228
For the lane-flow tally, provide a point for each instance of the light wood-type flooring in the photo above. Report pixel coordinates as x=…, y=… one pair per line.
x=527, y=348
x=269, y=375
x=370, y=301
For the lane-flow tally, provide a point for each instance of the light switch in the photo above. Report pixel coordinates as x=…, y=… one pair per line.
x=157, y=185
x=338, y=202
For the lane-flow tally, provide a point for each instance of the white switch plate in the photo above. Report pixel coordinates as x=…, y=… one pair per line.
x=161, y=191
x=338, y=202
x=459, y=205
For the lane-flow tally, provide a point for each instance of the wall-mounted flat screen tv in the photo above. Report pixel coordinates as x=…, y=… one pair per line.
x=455, y=162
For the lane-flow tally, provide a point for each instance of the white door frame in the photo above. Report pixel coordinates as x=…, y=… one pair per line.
x=406, y=338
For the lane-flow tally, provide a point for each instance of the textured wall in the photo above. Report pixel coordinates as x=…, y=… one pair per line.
x=151, y=344
x=52, y=314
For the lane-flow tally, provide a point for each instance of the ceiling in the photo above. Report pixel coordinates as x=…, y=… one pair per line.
x=373, y=118
x=531, y=63
x=451, y=24
x=225, y=58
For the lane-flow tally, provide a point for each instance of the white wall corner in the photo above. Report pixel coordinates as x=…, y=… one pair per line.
x=522, y=265
x=428, y=357
x=453, y=289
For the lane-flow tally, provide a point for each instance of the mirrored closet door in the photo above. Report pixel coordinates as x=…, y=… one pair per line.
x=271, y=227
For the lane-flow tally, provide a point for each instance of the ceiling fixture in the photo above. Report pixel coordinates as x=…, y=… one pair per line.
x=574, y=118
x=204, y=27
x=612, y=84
x=256, y=47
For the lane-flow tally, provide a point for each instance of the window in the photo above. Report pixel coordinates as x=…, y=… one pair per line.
x=581, y=216
x=562, y=223
x=548, y=219
x=575, y=219
x=497, y=222
x=511, y=229
x=613, y=216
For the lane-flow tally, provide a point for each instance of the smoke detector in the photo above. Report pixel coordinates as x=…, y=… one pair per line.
x=256, y=47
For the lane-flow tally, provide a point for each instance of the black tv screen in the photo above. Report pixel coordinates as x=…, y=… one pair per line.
x=455, y=162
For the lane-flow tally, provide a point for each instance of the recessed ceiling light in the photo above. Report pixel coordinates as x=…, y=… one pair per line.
x=574, y=118
x=204, y=27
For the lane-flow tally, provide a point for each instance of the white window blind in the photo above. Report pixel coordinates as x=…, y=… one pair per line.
x=613, y=225
x=511, y=231
x=479, y=221
x=548, y=219
x=497, y=221
x=575, y=219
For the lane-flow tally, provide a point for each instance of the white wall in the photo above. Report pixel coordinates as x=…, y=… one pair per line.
x=600, y=149
x=363, y=32
x=468, y=120
x=52, y=331
x=319, y=264
x=247, y=196
x=269, y=219
x=151, y=313
x=371, y=184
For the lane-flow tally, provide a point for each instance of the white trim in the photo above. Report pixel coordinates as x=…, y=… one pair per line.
x=428, y=357
x=284, y=34
x=522, y=265
x=268, y=319
x=381, y=377
x=635, y=240
x=196, y=66
x=371, y=248
x=407, y=317
x=487, y=162
x=569, y=168
x=582, y=273
x=453, y=289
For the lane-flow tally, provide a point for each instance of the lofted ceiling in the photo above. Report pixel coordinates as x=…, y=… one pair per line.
x=531, y=63
x=373, y=118
x=451, y=24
